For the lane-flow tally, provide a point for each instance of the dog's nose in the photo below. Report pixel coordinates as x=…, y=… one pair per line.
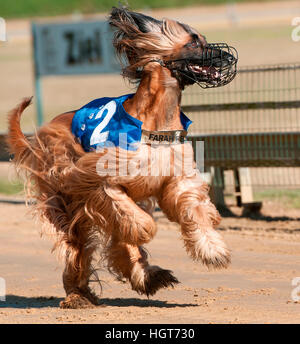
x=216, y=55
x=222, y=59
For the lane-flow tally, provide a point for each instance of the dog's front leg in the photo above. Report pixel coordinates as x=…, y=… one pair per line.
x=125, y=220
x=130, y=261
x=185, y=200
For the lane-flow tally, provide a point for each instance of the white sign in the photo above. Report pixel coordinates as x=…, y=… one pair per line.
x=296, y=30
x=74, y=48
x=2, y=289
x=296, y=291
x=2, y=29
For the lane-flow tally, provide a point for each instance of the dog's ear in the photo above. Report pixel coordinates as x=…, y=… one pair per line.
x=146, y=23
x=123, y=18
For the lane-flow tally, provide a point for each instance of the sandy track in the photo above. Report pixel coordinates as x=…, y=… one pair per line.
x=256, y=288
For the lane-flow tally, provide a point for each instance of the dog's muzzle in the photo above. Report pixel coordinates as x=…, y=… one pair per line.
x=216, y=66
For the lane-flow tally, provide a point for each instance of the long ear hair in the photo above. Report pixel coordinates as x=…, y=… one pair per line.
x=142, y=38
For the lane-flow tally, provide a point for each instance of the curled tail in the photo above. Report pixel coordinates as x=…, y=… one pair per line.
x=17, y=142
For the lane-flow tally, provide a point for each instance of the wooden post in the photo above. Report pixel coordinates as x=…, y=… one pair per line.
x=237, y=187
x=217, y=187
x=245, y=185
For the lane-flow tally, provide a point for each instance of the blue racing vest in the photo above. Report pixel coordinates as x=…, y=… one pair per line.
x=99, y=124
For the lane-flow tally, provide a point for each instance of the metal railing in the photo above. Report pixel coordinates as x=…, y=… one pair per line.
x=260, y=99
x=252, y=122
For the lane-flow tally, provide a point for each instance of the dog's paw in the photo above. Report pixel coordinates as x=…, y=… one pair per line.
x=208, y=247
x=150, y=279
x=75, y=301
x=90, y=295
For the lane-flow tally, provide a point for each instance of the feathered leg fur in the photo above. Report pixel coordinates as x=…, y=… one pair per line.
x=131, y=262
x=185, y=200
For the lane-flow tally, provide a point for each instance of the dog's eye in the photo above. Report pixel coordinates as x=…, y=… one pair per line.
x=193, y=44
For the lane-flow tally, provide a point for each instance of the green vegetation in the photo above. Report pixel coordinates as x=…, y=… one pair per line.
x=10, y=187
x=34, y=8
x=289, y=198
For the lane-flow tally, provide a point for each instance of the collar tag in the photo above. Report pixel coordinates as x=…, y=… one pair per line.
x=163, y=137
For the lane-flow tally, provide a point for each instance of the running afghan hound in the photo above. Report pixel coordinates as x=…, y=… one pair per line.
x=97, y=172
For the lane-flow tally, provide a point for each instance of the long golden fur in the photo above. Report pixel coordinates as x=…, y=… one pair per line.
x=88, y=211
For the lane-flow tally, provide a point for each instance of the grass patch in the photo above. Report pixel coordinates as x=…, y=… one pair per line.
x=11, y=187
x=290, y=198
x=34, y=8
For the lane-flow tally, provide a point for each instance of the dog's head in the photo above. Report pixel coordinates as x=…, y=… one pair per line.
x=176, y=46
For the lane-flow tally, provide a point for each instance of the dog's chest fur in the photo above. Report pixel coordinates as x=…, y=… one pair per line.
x=143, y=173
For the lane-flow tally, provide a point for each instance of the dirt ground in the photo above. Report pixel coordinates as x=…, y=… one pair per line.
x=256, y=288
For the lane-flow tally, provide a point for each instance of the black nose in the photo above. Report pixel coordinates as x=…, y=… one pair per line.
x=220, y=58
x=218, y=55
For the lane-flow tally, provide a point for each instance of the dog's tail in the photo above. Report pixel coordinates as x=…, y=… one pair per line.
x=17, y=142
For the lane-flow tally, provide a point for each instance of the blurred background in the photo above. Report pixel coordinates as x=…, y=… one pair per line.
x=269, y=64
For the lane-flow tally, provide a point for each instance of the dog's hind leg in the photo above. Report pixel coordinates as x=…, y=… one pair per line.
x=78, y=249
x=76, y=275
x=186, y=201
x=131, y=262
x=76, y=246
